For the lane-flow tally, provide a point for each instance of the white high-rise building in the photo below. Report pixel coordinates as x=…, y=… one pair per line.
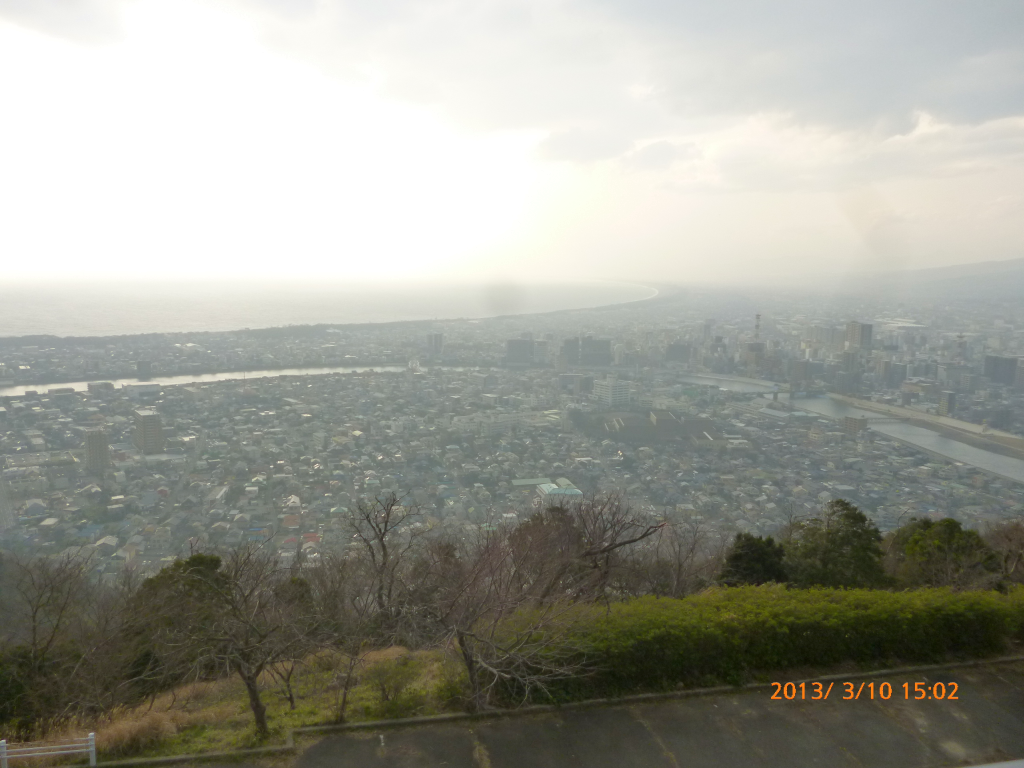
x=149, y=431
x=612, y=393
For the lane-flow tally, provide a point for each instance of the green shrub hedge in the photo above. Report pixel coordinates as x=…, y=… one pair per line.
x=728, y=635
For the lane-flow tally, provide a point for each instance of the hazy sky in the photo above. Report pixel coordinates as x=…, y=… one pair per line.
x=518, y=139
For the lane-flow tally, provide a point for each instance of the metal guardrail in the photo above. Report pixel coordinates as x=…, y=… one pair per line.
x=86, y=744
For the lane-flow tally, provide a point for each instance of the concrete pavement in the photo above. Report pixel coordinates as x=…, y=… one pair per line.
x=748, y=729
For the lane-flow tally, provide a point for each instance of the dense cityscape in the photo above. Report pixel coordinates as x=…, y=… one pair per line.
x=604, y=383
x=721, y=413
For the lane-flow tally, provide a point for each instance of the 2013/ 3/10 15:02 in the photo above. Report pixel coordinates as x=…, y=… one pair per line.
x=851, y=691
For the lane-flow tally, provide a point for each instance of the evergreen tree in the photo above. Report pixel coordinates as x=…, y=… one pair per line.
x=839, y=548
x=942, y=554
x=753, y=560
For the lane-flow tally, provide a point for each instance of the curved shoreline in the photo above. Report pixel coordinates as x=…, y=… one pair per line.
x=660, y=291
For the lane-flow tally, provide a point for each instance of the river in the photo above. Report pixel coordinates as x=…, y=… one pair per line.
x=997, y=464
x=746, y=386
x=1003, y=466
x=203, y=378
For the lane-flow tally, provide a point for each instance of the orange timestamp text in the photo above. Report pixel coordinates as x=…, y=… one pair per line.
x=850, y=691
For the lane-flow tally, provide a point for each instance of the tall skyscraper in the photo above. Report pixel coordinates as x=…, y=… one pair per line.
x=149, y=431
x=97, y=452
x=858, y=335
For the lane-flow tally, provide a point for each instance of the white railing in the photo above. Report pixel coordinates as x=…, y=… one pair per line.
x=86, y=744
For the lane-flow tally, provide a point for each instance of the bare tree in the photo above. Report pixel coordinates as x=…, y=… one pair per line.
x=681, y=559
x=344, y=601
x=1007, y=541
x=576, y=549
x=385, y=530
x=242, y=614
x=484, y=605
x=75, y=646
x=46, y=601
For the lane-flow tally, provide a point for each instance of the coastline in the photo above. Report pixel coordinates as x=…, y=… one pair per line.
x=661, y=291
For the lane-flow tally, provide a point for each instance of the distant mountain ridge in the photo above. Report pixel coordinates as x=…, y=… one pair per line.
x=986, y=279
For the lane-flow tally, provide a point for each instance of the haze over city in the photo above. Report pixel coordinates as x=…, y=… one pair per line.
x=584, y=383
x=642, y=140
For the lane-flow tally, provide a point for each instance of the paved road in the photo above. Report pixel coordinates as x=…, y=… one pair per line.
x=744, y=730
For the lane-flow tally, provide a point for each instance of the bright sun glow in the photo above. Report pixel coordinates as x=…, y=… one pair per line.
x=530, y=140
x=189, y=148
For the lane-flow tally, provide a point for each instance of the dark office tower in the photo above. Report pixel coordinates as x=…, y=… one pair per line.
x=858, y=335
x=144, y=369
x=846, y=383
x=706, y=334
x=851, y=361
x=897, y=375
x=884, y=371
x=519, y=352
x=435, y=343
x=576, y=383
x=947, y=403
x=586, y=350
x=569, y=354
x=678, y=352
x=97, y=452
x=596, y=352
x=1001, y=370
x=799, y=373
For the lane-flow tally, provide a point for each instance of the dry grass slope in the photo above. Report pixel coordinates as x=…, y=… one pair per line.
x=214, y=715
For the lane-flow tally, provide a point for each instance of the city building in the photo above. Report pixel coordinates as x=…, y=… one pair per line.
x=858, y=335
x=435, y=343
x=7, y=519
x=678, y=352
x=611, y=393
x=586, y=350
x=854, y=424
x=519, y=352
x=1001, y=370
x=947, y=403
x=97, y=452
x=149, y=431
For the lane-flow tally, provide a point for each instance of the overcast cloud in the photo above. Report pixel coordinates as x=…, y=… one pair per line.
x=672, y=134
